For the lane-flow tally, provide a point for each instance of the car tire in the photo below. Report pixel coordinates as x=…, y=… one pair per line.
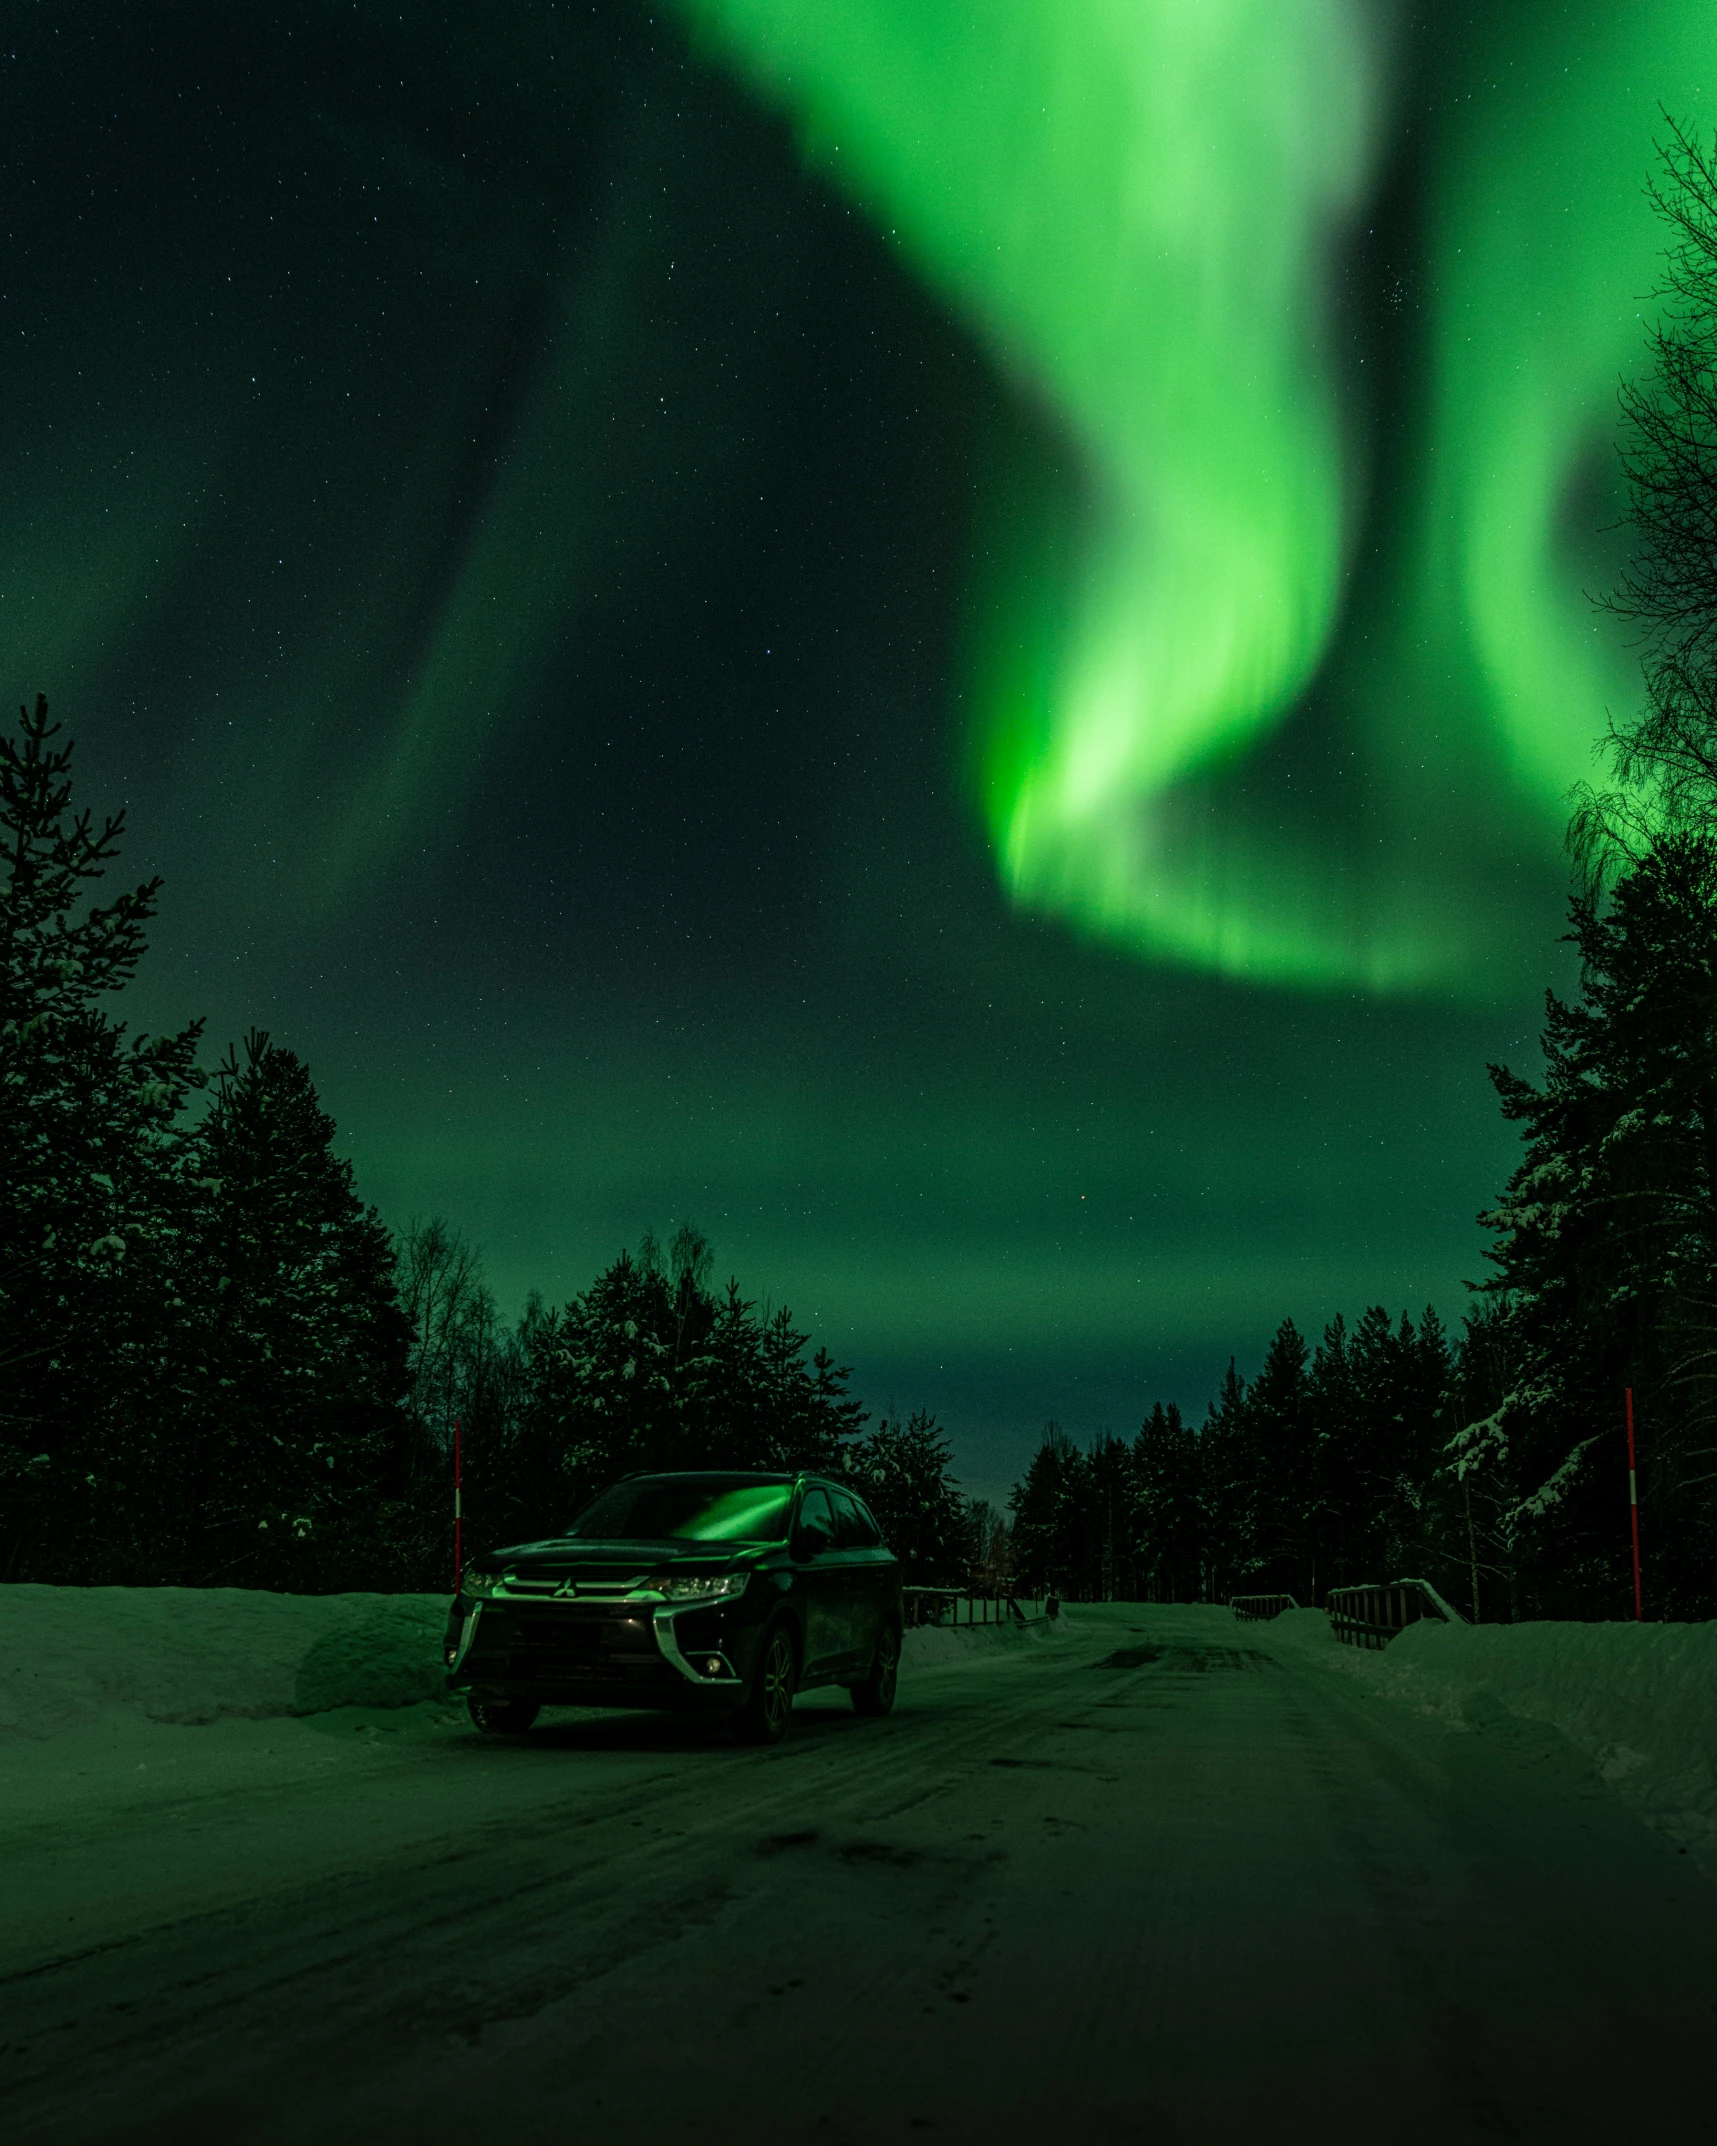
x=875, y=1696
x=768, y=1705
x=503, y=1717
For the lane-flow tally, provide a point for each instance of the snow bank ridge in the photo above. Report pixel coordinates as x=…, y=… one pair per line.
x=1640, y=1700
x=70, y=1655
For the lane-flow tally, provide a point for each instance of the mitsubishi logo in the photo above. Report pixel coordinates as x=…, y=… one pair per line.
x=566, y=1587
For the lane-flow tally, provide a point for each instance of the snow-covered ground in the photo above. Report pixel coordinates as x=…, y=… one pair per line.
x=1146, y=1873
x=111, y=1665
x=1639, y=1700
x=116, y=1702
x=76, y=1657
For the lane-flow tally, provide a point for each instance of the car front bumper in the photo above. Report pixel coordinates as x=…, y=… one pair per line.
x=590, y=1654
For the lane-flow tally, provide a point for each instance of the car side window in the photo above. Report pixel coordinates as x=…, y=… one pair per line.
x=816, y=1522
x=855, y=1528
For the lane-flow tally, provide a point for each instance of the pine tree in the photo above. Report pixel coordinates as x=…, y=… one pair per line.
x=1427, y=1389
x=1049, y=1516
x=1227, y=1475
x=305, y=1441
x=903, y=1471
x=1171, y=1548
x=1606, y=1250
x=1280, y=1516
x=649, y=1369
x=600, y=1400
x=1336, y=1489
x=1110, y=1566
x=94, y=1169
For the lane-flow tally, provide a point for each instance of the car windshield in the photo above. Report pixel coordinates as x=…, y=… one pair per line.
x=688, y=1508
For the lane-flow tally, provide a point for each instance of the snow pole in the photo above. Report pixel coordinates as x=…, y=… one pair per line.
x=458, y=1513
x=1633, y=1503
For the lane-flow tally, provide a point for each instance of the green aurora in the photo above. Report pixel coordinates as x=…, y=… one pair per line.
x=1137, y=204
x=949, y=640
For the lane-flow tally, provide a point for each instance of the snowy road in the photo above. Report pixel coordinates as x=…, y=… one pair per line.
x=1159, y=1880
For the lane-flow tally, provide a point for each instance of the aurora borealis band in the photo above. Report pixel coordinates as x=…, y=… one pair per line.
x=949, y=640
x=1145, y=208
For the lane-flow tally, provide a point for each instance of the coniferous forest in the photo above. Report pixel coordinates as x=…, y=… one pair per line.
x=219, y=1367
x=1493, y=1462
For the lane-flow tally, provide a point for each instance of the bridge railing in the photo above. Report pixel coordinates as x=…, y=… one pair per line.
x=943, y=1605
x=1252, y=1609
x=1371, y=1616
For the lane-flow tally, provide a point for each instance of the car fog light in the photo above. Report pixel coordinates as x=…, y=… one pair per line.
x=713, y=1666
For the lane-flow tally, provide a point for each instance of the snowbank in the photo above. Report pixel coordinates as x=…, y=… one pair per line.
x=74, y=1655
x=1640, y=1700
x=70, y=1655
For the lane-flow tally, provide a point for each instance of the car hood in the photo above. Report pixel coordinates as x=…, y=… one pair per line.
x=569, y=1559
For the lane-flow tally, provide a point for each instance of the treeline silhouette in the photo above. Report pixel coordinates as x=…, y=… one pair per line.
x=650, y=1368
x=217, y=1366
x=1318, y=1471
x=1494, y=1465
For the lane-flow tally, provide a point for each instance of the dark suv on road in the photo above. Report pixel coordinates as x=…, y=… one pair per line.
x=713, y=1589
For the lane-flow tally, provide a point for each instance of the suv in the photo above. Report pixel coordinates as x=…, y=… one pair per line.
x=719, y=1590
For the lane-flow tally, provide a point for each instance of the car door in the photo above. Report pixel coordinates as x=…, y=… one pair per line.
x=821, y=1582
x=872, y=1575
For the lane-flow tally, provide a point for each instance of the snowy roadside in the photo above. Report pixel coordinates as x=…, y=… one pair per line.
x=74, y=1657
x=121, y=1706
x=1639, y=1700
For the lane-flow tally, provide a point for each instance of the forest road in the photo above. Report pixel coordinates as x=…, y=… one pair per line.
x=1148, y=1879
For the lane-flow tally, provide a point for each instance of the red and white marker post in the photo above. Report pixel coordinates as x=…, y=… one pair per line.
x=1633, y=1503
x=458, y=1513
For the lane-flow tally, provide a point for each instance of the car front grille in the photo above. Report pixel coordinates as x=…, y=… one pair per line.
x=544, y=1641
x=583, y=1586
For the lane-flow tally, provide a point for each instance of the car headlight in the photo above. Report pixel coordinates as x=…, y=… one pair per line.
x=477, y=1586
x=712, y=1588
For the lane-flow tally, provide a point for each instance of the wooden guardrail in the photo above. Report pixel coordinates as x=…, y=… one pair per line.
x=1371, y=1616
x=941, y=1605
x=1252, y=1609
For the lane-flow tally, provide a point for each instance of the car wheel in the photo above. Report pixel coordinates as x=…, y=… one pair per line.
x=503, y=1717
x=769, y=1703
x=876, y=1694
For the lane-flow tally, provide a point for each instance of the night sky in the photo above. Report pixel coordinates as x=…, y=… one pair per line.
x=950, y=642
